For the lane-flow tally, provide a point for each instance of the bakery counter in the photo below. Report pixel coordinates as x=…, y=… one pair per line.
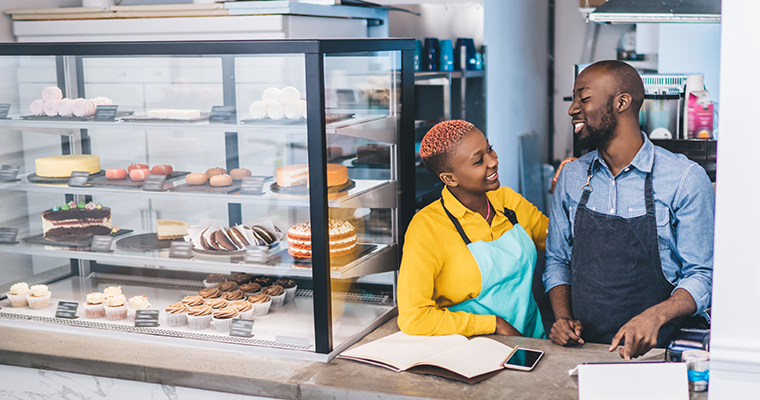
x=241, y=373
x=374, y=127
x=369, y=259
x=361, y=193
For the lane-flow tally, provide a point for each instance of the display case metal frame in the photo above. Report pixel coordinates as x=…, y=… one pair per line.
x=69, y=68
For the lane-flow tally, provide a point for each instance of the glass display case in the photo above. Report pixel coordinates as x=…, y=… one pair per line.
x=158, y=167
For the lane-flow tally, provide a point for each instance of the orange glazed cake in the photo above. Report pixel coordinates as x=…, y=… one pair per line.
x=342, y=239
x=298, y=175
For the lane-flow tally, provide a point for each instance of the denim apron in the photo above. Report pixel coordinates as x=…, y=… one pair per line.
x=506, y=270
x=616, y=270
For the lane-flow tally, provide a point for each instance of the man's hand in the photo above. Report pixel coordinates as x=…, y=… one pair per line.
x=559, y=169
x=566, y=332
x=639, y=334
x=505, y=328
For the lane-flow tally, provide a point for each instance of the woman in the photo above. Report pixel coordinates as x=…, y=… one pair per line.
x=469, y=258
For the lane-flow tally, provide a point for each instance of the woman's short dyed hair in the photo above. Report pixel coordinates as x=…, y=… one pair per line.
x=439, y=140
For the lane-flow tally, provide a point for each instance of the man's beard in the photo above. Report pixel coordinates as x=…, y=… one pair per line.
x=602, y=134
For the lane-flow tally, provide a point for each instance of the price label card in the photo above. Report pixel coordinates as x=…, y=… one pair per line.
x=256, y=254
x=181, y=250
x=79, y=178
x=154, y=183
x=8, y=235
x=4, y=108
x=241, y=327
x=67, y=309
x=9, y=173
x=101, y=244
x=253, y=185
x=146, y=318
x=105, y=113
x=223, y=114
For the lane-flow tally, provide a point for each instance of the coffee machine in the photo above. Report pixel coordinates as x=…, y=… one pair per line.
x=661, y=114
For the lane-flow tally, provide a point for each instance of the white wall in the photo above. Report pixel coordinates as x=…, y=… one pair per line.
x=442, y=21
x=735, y=348
x=517, y=38
x=6, y=24
x=691, y=49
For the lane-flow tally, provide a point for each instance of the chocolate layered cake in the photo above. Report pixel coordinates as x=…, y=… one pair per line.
x=77, y=220
x=342, y=239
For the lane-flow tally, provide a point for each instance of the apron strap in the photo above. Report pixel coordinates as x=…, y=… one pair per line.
x=649, y=194
x=587, y=187
x=510, y=214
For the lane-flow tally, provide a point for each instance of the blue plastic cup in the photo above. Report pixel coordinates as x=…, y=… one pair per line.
x=446, y=61
x=470, y=58
x=430, y=54
x=417, y=55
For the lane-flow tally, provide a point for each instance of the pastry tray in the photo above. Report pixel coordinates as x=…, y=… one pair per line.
x=303, y=190
x=119, y=114
x=145, y=118
x=335, y=262
x=206, y=187
x=329, y=119
x=103, y=181
x=83, y=242
x=144, y=242
x=34, y=178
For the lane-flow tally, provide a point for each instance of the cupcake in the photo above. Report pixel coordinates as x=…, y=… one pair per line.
x=17, y=294
x=116, y=308
x=227, y=286
x=233, y=295
x=217, y=303
x=290, y=287
x=94, y=307
x=260, y=303
x=250, y=288
x=192, y=301
x=241, y=279
x=112, y=291
x=137, y=303
x=223, y=318
x=213, y=279
x=244, y=308
x=210, y=293
x=264, y=281
x=199, y=317
x=38, y=297
x=277, y=293
x=176, y=314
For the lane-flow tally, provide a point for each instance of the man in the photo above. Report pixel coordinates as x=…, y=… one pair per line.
x=630, y=245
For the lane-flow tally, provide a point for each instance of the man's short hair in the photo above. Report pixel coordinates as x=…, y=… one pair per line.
x=628, y=81
x=439, y=140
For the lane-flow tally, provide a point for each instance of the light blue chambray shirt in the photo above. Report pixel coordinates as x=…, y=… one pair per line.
x=684, y=207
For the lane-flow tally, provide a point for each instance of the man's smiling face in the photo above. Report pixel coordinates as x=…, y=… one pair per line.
x=593, y=115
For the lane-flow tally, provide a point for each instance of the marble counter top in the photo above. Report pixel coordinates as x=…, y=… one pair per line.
x=293, y=379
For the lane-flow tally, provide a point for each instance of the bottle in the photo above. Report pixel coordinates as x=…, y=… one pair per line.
x=693, y=83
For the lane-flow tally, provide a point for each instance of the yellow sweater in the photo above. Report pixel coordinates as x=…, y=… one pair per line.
x=438, y=271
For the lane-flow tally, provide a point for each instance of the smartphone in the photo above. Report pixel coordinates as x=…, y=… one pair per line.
x=523, y=359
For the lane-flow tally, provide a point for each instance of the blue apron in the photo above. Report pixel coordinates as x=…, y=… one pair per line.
x=506, y=270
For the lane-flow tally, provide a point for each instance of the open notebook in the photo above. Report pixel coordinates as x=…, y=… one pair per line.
x=452, y=356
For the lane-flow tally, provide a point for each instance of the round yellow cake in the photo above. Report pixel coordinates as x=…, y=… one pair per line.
x=62, y=166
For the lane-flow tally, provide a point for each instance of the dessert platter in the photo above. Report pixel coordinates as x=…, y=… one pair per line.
x=214, y=180
x=58, y=169
x=169, y=115
x=167, y=231
x=74, y=224
x=294, y=179
x=134, y=175
x=54, y=107
x=211, y=237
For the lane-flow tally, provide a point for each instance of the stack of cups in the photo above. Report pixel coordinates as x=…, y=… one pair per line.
x=698, y=368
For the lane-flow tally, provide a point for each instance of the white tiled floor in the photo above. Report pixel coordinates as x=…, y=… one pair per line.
x=35, y=384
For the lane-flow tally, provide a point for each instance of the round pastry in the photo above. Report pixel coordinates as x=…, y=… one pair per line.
x=210, y=293
x=239, y=240
x=227, y=286
x=264, y=281
x=215, y=278
x=220, y=180
x=233, y=295
x=250, y=287
x=198, y=178
x=217, y=303
x=342, y=239
x=286, y=283
x=290, y=95
x=116, y=173
x=192, y=301
x=259, y=298
x=162, y=169
x=258, y=109
x=139, y=174
x=137, y=166
x=222, y=241
x=215, y=171
x=271, y=95
x=276, y=111
x=241, y=279
x=274, y=290
x=263, y=234
x=205, y=243
x=238, y=174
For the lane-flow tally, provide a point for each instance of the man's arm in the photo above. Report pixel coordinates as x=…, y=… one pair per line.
x=557, y=277
x=694, y=213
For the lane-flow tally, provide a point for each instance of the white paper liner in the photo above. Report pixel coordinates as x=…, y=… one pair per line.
x=94, y=310
x=278, y=301
x=199, y=321
x=178, y=319
x=17, y=300
x=290, y=293
x=260, y=309
x=37, y=303
x=116, y=313
x=223, y=325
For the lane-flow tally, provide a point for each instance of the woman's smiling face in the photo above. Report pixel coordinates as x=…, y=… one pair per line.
x=473, y=164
